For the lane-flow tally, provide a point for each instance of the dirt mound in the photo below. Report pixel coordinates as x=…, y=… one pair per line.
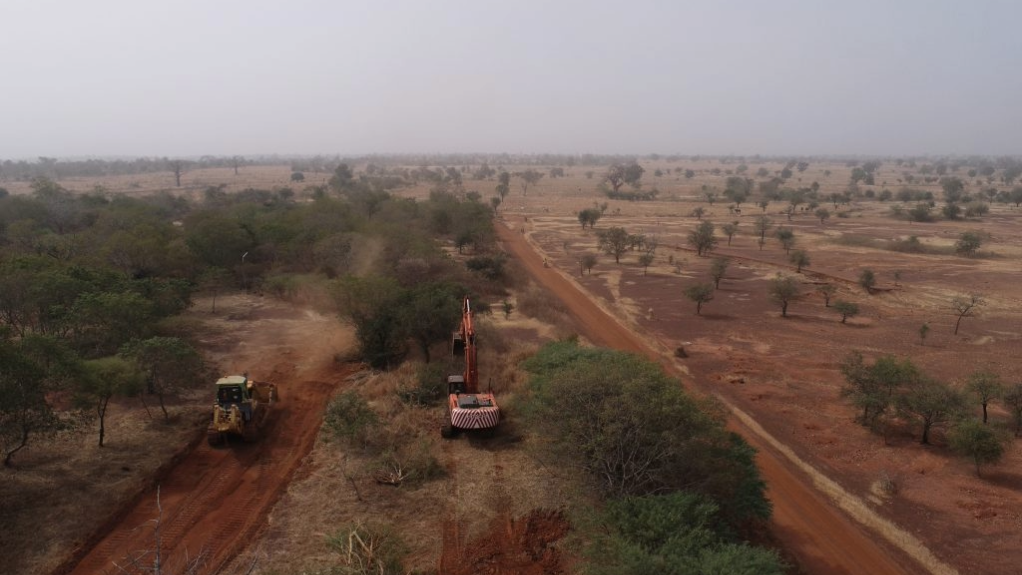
x=525, y=546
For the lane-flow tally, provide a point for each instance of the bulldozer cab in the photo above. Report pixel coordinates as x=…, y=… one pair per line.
x=232, y=390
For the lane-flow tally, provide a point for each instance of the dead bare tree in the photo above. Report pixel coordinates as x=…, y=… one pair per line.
x=178, y=168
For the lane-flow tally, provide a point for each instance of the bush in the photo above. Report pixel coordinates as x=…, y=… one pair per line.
x=619, y=418
x=490, y=267
x=677, y=533
x=349, y=418
x=430, y=386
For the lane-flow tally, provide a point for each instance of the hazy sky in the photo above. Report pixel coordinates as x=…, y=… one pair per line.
x=225, y=77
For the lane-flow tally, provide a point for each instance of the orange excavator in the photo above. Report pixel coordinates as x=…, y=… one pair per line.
x=467, y=407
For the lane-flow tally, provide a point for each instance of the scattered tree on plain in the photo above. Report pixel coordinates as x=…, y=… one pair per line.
x=827, y=291
x=847, y=309
x=699, y=293
x=645, y=260
x=528, y=178
x=965, y=307
x=823, y=214
x=1012, y=400
x=698, y=212
x=968, y=244
x=614, y=242
x=620, y=174
x=717, y=270
x=729, y=230
x=787, y=238
x=762, y=225
x=589, y=217
x=586, y=263
x=868, y=280
x=924, y=330
x=932, y=404
x=987, y=387
x=800, y=259
x=873, y=388
x=702, y=238
x=976, y=441
x=783, y=290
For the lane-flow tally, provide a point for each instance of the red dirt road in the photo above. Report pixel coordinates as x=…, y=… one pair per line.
x=216, y=500
x=819, y=536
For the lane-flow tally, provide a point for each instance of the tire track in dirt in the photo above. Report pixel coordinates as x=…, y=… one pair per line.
x=820, y=537
x=216, y=500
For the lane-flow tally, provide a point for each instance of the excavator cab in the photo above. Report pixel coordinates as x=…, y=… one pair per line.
x=455, y=384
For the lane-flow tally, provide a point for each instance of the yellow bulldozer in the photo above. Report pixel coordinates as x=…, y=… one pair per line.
x=241, y=408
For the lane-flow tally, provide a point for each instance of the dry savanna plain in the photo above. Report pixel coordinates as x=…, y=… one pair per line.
x=778, y=375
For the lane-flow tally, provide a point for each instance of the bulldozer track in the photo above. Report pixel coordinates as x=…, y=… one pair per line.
x=216, y=499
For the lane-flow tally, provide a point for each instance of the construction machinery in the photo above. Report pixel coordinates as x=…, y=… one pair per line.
x=467, y=407
x=241, y=408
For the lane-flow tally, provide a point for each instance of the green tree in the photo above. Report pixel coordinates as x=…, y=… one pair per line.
x=932, y=404
x=787, y=238
x=702, y=238
x=586, y=262
x=965, y=307
x=431, y=313
x=718, y=268
x=104, y=379
x=729, y=229
x=24, y=410
x=972, y=439
x=968, y=244
x=846, y=309
x=924, y=330
x=618, y=175
x=1013, y=402
x=868, y=280
x=645, y=260
x=218, y=240
x=783, y=290
x=170, y=364
x=528, y=178
x=873, y=388
x=374, y=306
x=762, y=225
x=827, y=291
x=589, y=216
x=698, y=212
x=800, y=259
x=987, y=387
x=823, y=214
x=613, y=241
x=699, y=293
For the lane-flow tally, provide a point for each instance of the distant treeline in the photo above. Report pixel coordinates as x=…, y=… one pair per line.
x=57, y=168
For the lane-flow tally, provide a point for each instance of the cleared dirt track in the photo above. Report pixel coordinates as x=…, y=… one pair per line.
x=217, y=499
x=820, y=537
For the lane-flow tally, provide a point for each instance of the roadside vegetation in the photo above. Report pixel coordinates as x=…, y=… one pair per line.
x=679, y=490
